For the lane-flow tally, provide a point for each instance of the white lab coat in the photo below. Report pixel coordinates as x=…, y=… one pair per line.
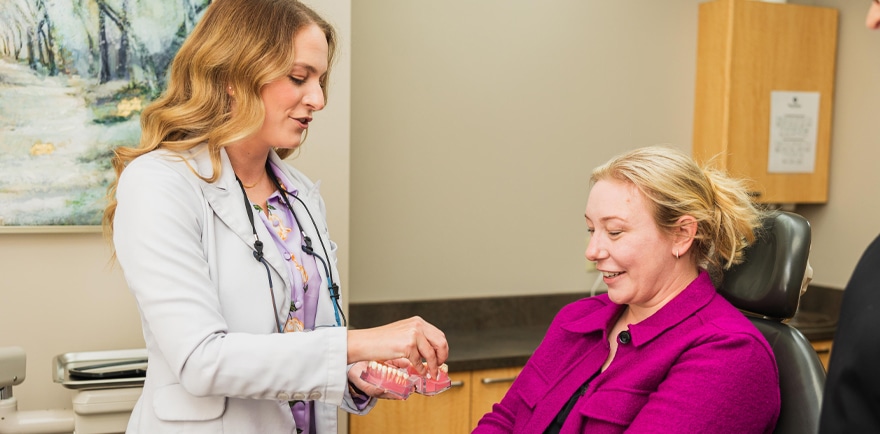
x=216, y=362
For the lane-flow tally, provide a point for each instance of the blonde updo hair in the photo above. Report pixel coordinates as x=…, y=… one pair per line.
x=242, y=44
x=676, y=186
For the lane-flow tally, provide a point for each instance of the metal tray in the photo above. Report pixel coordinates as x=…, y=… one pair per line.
x=125, y=359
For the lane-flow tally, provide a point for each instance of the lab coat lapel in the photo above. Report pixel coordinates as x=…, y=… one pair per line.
x=225, y=197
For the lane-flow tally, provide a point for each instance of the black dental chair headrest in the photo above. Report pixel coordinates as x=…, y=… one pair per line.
x=768, y=282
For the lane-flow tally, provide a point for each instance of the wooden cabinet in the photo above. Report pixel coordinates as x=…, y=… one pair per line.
x=745, y=50
x=455, y=411
x=823, y=349
x=489, y=386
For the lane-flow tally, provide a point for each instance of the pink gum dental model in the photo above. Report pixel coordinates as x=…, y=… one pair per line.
x=403, y=382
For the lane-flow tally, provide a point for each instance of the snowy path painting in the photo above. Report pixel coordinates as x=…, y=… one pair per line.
x=54, y=159
x=74, y=76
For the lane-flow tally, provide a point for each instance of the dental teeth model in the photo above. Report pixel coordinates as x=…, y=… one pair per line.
x=403, y=382
x=430, y=386
x=391, y=378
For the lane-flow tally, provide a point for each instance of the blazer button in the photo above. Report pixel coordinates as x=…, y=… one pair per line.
x=314, y=396
x=624, y=337
x=283, y=396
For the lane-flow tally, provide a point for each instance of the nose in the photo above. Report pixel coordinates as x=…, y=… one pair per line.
x=594, y=249
x=314, y=97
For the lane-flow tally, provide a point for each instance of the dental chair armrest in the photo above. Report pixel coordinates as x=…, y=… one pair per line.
x=12, y=366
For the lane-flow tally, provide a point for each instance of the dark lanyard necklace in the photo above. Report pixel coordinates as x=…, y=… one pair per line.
x=258, y=252
x=332, y=287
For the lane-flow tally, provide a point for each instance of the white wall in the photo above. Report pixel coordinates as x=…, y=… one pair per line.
x=59, y=294
x=844, y=227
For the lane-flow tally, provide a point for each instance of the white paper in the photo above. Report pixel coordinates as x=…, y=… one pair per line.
x=794, y=119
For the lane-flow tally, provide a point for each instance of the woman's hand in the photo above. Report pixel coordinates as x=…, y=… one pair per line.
x=413, y=339
x=354, y=377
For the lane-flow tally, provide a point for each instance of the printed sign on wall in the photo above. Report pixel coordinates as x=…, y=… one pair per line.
x=794, y=118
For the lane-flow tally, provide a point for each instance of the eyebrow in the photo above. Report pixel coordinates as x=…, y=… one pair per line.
x=307, y=66
x=605, y=219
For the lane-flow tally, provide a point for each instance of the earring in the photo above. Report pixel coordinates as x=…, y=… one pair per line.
x=676, y=253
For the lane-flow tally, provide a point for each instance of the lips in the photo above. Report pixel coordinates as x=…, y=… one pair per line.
x=303, y=122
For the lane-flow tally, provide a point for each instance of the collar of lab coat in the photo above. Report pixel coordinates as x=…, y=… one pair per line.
x=227, y=200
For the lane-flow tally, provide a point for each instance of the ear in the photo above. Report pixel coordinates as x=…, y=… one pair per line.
x=683, y=235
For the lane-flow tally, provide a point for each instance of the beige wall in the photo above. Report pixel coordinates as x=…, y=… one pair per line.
x=844, y=227
x=60, y=295
x=474, y=126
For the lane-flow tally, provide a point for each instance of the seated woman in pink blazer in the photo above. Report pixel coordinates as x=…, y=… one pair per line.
x=662, y=351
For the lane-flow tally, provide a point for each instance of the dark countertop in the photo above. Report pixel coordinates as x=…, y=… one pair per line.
x=818, y=312
x=492, y=348
x=483, y=333
x=501, y=332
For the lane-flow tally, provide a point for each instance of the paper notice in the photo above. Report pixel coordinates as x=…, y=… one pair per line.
x=794, y=118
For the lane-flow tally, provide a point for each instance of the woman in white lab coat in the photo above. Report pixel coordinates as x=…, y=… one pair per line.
x=226, y=248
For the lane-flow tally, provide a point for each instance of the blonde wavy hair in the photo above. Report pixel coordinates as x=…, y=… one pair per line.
x=244, y=44
x=727, y=219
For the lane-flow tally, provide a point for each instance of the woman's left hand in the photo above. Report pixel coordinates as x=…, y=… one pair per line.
x=354, y=377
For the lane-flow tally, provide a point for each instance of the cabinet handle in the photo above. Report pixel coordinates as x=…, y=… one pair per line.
x=822, y=350
x=457, y=384
x=498, y=380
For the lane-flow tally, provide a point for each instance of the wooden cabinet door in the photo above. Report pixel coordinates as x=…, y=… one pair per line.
x=487, y=388
x=745, y=51
x=445, y=413
x=823, y=349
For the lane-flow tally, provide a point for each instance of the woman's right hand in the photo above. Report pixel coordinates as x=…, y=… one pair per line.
x=413, y=338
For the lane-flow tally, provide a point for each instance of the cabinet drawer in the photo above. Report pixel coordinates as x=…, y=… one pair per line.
x=444, y=413
x=489, y=386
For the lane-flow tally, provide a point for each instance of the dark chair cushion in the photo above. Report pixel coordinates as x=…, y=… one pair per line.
x=801, y=377
x=768, y=282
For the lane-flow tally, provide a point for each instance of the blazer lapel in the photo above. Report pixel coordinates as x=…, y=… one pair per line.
x=225, y=197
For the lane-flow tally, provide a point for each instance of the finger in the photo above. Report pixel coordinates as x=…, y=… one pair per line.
x=436, y=337
x=429, y=354
x=400, y=363
x=370, y=389
x=391, y=396
x=356, y=369
x=366, y=387
x=415, y=360
x=441, y=348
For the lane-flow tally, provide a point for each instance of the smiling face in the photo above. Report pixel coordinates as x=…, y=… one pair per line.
x=636, y=258
x=290, y=101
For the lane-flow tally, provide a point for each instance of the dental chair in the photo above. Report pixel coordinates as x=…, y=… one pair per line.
x=101, y=405
x=766, y=287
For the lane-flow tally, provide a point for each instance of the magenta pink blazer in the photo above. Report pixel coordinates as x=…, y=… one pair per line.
x=696, y=366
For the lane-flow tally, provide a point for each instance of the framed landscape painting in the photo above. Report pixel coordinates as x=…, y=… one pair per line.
x=74, y=77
